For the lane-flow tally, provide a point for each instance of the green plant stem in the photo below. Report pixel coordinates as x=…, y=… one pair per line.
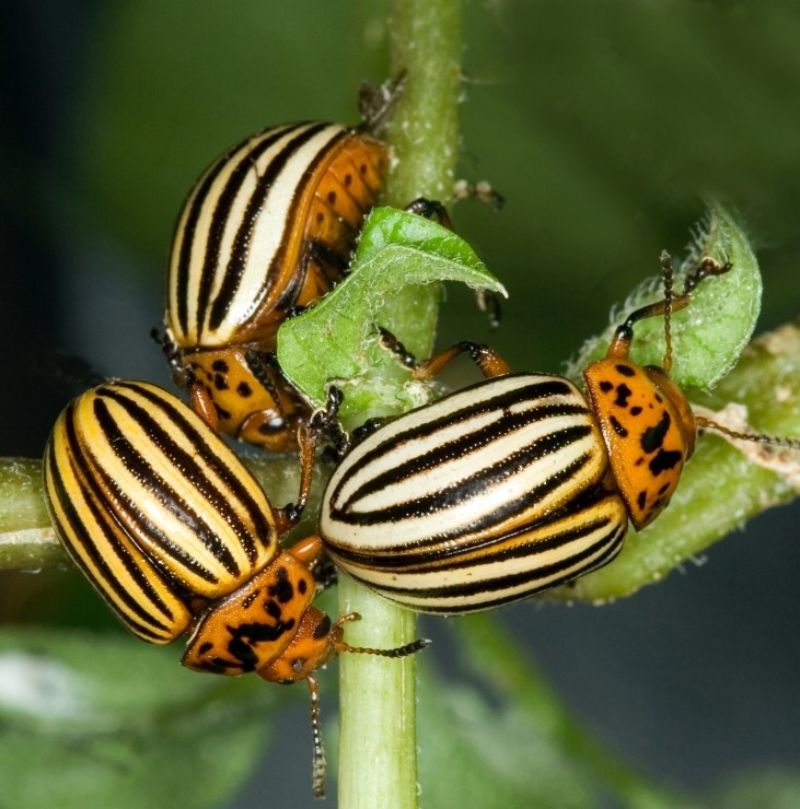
x=377, y=728
x=28, y=541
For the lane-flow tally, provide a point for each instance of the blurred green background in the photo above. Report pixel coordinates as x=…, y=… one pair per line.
x=603, y=125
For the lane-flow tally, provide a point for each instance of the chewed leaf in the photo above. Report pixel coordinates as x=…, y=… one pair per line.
x=337, y=340
x=710, y=333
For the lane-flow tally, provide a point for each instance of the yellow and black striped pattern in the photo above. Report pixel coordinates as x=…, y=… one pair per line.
x=239, y=258
x=486, y=496
x=155, y=509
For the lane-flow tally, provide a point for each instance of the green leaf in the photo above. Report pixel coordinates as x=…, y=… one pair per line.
x=506, y=739
x=100, y=720
x=579, y=768
x=764, y=789
x=474, y=753
x=337, y=340
x=710, y=333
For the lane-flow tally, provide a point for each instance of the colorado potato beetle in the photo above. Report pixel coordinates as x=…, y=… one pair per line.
x=267, y=229
x=177, y=536
x=517, y=483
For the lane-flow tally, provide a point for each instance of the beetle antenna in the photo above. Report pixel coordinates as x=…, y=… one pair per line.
x=623, y=336
x=319, y=765
x=707, y=266
x=399, y=651
x=758, y=438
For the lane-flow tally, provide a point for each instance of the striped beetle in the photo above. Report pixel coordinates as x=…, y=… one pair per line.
x=177, y=536
x=517, y=483
x=267, y=229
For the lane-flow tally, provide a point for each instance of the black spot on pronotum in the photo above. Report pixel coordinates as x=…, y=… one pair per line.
x=625, y=370
x=635, y=410
x=249, y=599
x=641, y=499
x=272, y=608
x=220, y=383
x=665, y=460
x=222, y=413
x=623, y=394
x=618, y=428
x=220, y=366
x=653, y=437
x=322, y=628
x=243, y=652
x=282, y=589
x=244, y=390
x=218, y=665
x=606, y=386
x=302, y=587
x=245, y=636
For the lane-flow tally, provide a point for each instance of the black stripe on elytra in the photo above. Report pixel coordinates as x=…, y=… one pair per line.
x=191, y=470
x=197, y=478
x=614, y=547
x=232, y=481
x=507, y=423
x=77, y=535
x=566, y=567
x=87, y=470
x=393, y=435
x=155, y=486
x=187, y=236
x=324, y=254
x=219, y=218
x=446, y=556
x=474, y=486
x=255, y=205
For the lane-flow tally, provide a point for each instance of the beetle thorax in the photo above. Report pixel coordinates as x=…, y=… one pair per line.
x=648, y=429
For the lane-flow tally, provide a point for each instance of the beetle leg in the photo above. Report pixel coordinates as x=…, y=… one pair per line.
x=203, y=405
x=482, y=191
x=489, y=304
x=376, y=102
x=486, y=358
x=430, y=209
x=321, y=421
x=328, y=263
x=620, y=345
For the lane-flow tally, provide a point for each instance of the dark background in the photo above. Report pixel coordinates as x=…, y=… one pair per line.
x=602, y=123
